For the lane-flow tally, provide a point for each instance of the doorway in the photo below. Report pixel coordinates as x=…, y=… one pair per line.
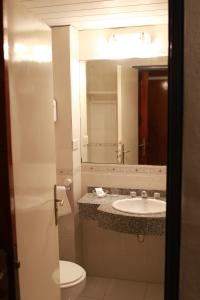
x=153, y=116
x=173, y=66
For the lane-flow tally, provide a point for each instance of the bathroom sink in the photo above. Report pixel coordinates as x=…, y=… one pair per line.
x=140, y=206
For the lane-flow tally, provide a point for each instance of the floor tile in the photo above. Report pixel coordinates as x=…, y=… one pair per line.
x=155, y=292
x=96, y=287
x=126, y=290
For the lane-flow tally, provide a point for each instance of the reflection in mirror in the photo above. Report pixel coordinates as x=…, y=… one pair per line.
x=124, y=119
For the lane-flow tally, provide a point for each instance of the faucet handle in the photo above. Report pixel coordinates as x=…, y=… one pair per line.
x=156, y=195
x=144, y=194
x=133, y=194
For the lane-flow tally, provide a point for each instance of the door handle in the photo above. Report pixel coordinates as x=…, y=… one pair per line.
x=121, y=154
x=60, y=202
x=2, y=274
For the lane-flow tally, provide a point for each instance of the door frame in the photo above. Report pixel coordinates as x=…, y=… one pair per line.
x=175, y=132
x=173, y=221
x=8, y=240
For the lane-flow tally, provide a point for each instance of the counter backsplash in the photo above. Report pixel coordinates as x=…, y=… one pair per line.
x=126, y=191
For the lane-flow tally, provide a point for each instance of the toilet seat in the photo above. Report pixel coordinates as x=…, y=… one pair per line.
x=70, y=274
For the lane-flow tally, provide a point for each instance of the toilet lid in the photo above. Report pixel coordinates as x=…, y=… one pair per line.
x=70, y=272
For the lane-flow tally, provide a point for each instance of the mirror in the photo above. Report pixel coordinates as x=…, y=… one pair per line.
x=124, y=114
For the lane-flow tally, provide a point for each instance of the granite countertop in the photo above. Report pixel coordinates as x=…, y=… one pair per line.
x=101, y=210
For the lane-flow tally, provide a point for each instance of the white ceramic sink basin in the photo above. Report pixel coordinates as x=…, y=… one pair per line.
x=140, y=206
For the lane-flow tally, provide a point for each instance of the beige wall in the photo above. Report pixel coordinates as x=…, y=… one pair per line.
x=83, y=106
x=102, y=111
x=190, y=247
x=114, y=249
x=114, y=254
x=134, y=177
x=127, y=86
x=66, y=89
x=62, y=94
x=98, y=49
x=66, y=93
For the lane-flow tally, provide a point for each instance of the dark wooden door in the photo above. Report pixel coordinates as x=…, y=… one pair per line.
x=143, y=117
x=153, y=115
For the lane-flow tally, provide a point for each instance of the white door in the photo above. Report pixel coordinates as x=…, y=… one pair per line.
x=33, y=151
x=127, y=83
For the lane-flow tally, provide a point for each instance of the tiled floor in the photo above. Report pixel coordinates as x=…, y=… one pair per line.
x=114, y=289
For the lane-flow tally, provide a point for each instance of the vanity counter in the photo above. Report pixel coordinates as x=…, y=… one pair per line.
x=101, y=210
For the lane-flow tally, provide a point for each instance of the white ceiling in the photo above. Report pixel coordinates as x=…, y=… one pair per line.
x=93, y=14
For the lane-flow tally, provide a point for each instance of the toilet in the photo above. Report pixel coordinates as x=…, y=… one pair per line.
x=72, y=280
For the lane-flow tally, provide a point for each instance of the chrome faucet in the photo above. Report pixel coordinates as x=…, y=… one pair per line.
x=144, y=194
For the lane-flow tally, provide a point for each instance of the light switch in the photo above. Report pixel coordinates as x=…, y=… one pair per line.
x=85, y=140
x=55, y=116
